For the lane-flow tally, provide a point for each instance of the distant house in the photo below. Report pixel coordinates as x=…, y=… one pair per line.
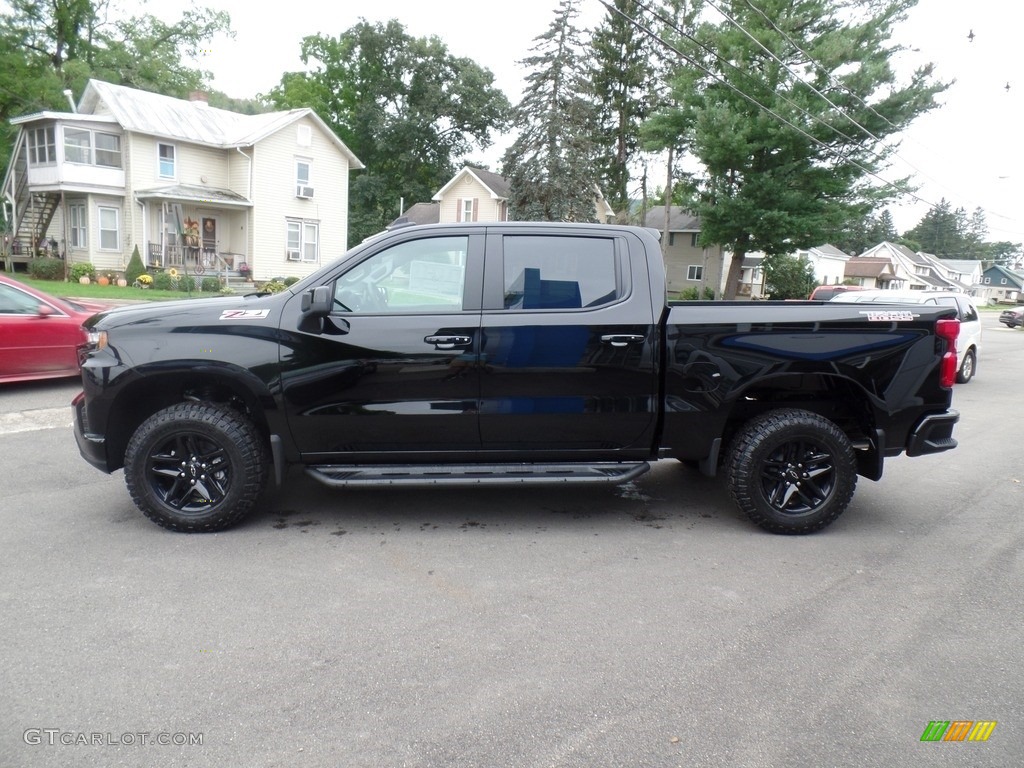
x=999, y=284
x=200, y=189
x=687, y=264
x=829, y=263
x=872, y=272
x=914, y=271
x=474, y=194
x=967, y=272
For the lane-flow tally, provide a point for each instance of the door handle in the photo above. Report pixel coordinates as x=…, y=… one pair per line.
x=449, y=342
x=622, y=339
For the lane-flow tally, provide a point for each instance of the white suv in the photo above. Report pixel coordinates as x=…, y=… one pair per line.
x=968, y=343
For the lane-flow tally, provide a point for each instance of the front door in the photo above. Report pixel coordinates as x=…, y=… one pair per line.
x=391, y=373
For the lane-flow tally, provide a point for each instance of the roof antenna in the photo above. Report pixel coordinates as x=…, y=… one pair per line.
x=71, y=100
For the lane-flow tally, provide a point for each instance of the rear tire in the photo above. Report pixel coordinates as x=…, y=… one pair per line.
x=967, y=368
x=196, y=467
x=791, y=471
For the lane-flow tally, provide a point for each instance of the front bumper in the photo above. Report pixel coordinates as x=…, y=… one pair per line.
x=933, y=434
x=93, y=447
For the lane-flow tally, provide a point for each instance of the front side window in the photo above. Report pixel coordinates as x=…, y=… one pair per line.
x=166, y=161
x=110, y=235
x=695, y=272
x=15, y=302
x=77, y=146
x=544, y=272
x=79, y=229
x=422, y=276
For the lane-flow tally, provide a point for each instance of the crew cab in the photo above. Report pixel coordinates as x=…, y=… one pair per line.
x=508, y=353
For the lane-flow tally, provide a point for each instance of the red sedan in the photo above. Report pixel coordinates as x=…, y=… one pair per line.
x=39, y=334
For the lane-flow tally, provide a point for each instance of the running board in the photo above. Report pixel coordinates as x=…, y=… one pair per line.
x=475, y=474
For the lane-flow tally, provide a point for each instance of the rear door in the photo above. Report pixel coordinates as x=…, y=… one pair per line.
x=568, y=343
x=391, y=372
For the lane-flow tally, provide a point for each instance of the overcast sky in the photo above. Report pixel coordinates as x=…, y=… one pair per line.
x=966, y=152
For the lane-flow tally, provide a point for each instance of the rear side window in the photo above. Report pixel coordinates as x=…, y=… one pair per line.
x=545, y=272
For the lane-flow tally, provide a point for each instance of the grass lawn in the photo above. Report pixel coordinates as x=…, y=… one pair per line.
x=62, y=289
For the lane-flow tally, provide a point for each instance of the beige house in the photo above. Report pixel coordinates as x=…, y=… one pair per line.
x=203, y=190
x=687, y=264
x=474, y=194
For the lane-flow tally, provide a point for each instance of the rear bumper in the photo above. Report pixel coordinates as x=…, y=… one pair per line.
x=933, y=434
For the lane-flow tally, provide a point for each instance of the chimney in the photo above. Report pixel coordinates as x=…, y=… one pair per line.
x=200, y=98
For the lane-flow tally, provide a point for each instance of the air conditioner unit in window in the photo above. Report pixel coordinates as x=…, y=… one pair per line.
x=294, y=255
x=304, y=192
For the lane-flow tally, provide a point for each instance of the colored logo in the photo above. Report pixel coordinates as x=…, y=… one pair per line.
x=958, y=730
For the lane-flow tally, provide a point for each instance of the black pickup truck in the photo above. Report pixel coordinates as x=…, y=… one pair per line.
x=511, y=353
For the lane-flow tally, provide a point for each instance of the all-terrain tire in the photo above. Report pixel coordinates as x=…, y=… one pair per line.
x=791, y=471
x=196, y=467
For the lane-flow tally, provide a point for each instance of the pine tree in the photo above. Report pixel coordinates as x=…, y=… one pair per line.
x=789, y=126
x=623, y=81
x=551, y=166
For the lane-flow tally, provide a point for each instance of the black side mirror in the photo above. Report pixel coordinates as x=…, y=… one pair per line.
x=316, y=302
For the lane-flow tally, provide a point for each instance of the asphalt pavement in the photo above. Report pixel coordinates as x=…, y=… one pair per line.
x=644, y=625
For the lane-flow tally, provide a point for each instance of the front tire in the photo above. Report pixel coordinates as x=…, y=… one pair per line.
x=791, y=471
x=196, y=467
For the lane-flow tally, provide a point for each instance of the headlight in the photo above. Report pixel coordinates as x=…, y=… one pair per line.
x=97, y=339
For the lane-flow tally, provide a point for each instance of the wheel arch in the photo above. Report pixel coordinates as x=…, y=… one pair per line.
x=155, y=388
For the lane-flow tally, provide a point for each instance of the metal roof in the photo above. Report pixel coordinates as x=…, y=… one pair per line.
x=192, y=121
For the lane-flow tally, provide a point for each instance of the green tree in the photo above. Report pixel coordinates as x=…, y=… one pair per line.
x=790, y=129
x=551, y=167
x=789, y=278
x=622, y=78
x=940, y=232
x=405, y=106
x=48, y=46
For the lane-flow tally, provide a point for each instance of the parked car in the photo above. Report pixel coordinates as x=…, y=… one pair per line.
x=40, y=334
x=968, y=344
x=826, y=292
x=1012, y=317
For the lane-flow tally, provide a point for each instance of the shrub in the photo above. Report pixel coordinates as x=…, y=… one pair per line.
x=274, y=286
x=135, y=267
x=210, y=285
x=47, y=268
x=82, y=269
x=290, y=281
x=693, y=294
x=163, y=282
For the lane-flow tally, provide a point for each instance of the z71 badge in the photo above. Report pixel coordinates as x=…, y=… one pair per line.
x=891, y=316
x=244, y=314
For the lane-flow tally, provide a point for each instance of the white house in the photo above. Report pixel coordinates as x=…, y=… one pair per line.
x=200, y=189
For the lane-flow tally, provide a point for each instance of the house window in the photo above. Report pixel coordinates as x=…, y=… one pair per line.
x=303, y=240
x=79, y=227
x=77, y=146
x=693, y=239
x=1002, y=281
x=671, y=239
x=166, y=158
x=108, y=150
x=303, y=178
x=988, y=280
x=110, y=233
x=42, y=147
x=92, y=148
x=695, y=272
x=466, y=208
